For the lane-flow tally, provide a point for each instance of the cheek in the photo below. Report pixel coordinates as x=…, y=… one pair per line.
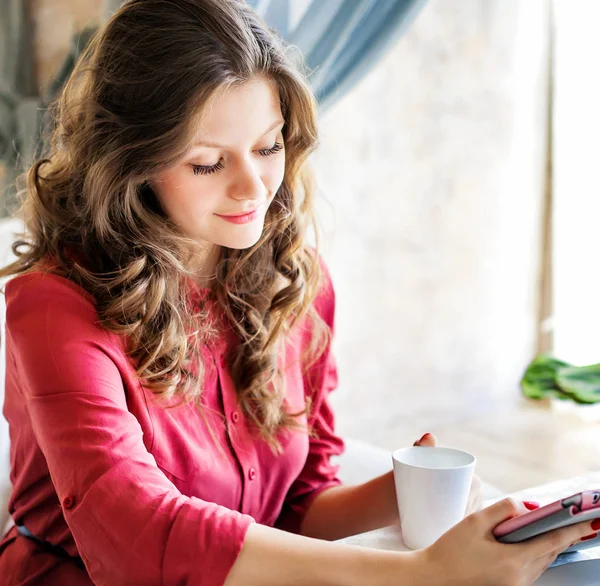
x=184, y=200
x=274, y=177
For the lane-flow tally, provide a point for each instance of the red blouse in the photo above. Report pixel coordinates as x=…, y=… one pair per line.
x=140, y=491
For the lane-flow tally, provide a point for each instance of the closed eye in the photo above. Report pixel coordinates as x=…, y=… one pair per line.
x=210, y=169
x=274, y=149
x=207, y=170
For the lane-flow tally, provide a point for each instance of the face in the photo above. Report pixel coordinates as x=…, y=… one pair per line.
x=219, y=192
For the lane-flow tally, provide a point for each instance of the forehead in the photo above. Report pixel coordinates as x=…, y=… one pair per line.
x=239, y=112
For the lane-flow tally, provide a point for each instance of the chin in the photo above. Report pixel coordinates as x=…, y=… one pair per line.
x=240, y=241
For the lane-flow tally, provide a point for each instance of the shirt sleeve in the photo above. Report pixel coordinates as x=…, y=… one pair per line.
x=318, y=473
x=131, y=525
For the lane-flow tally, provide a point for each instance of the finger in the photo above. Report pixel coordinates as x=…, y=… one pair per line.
x=427, y=440
x=475, y=503
x=588, y=537
x=478, y=491
x=476, y=484
x=504, y=509
x=558, y=540
x=474, y=494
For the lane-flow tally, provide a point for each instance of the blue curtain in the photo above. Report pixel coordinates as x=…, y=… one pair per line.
x=341, y=40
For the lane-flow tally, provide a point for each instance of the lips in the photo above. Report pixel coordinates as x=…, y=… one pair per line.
x=238, y=215
x=243, y=218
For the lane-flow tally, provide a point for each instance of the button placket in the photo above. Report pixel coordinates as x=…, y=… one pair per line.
x=242, y=444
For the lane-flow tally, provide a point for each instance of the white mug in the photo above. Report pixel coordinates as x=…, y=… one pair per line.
x=432, y=488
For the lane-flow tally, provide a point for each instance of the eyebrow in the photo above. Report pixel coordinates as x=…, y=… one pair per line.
x=214, y=145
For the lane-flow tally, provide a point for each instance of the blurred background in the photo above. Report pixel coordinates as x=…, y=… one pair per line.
x=458, y=199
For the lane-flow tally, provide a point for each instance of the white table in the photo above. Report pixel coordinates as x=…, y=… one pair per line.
x=584, y=572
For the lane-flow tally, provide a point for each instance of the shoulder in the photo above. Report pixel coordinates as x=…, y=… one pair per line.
x=41, y=287
x=43, y=302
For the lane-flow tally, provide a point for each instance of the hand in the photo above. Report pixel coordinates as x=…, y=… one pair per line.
x=470, y=554
x=475, y=501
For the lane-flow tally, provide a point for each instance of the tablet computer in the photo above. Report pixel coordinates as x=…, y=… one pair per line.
x=583, y=506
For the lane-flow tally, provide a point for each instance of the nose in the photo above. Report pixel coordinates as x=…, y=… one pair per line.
x=248, y=183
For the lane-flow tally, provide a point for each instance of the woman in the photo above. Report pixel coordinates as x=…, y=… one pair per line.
x=169, y=328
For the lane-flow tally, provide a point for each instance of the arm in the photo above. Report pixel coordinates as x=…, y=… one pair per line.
x=278, y=558
x=373, y=505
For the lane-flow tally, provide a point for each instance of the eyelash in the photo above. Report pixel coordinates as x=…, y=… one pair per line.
x=209, y=170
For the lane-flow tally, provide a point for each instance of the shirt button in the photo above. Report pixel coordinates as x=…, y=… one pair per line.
x=252, y=474
x=235, y=417
x=69, y=502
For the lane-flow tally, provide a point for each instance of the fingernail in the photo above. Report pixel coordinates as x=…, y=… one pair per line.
x=532, y=505
x=425, y=437
x=595, y=524
x=587, y=537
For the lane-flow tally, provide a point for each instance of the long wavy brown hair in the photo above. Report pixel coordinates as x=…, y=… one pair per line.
x=128, y=111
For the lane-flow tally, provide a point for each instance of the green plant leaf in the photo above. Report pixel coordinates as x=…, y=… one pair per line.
x=539, y=380
x=582, y=383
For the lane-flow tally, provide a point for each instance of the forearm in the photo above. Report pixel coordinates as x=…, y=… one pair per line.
x=347, y=510
x=271, y=557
